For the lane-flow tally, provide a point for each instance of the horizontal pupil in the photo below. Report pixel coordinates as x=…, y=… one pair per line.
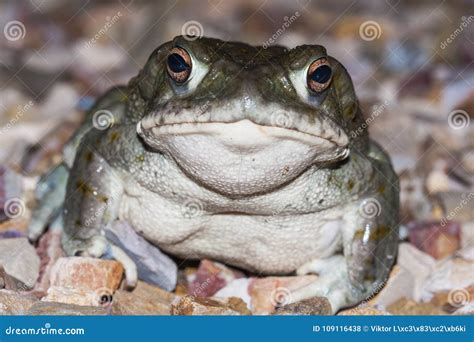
x=321, y=74
x=177, y=63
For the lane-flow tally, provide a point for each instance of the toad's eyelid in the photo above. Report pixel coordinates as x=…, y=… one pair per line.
x=299, y=79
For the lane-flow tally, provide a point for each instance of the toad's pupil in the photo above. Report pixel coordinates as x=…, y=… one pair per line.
x=177, y=63
x=321, y=74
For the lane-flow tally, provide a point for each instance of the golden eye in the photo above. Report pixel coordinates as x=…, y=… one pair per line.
x=319, y=75
x=179, y=65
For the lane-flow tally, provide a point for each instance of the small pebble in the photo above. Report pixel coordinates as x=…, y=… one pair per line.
x=15, y=303
x=154, y=266
x=61, y=309
x=438, y=239
x=20, y=261
x=210, y=278
x=310, y=306
x=190, y=305
x=98, y=275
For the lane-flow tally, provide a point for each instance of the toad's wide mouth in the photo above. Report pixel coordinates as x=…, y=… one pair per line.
x=245, y=132
x=241, y=158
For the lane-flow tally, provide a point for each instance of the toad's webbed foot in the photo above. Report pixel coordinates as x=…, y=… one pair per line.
x=332, y=283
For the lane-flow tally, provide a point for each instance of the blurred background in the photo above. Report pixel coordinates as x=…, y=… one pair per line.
x=411, y=64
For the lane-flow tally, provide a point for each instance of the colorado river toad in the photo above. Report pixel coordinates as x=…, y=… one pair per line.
x=252, y=156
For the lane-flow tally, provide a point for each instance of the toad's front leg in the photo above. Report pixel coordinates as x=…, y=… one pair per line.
x=369, y=234
x=369, y=250
x=93, y=195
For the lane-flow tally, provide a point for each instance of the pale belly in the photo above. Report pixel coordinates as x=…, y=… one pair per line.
x=263, y=244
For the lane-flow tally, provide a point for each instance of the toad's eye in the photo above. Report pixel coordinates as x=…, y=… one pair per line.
x=319, y=75
x=179, y=65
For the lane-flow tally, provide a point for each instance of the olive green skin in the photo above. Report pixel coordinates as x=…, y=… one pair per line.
x=238, y=72
x=237, y=66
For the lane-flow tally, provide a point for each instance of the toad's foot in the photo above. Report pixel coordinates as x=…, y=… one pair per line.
x=100, y=247
x=332, y=283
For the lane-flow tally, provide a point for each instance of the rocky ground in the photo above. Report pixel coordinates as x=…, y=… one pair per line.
x=427, y=281
x=415, y=88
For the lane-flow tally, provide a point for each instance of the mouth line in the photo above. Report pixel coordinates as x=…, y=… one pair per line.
x=184, y=128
